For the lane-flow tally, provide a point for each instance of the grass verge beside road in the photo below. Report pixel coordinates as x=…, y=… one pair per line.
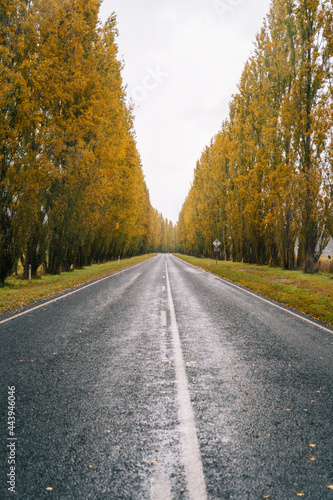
x=311, y=294
x=18, y=292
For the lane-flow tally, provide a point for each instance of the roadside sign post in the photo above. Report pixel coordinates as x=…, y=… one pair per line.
x=216, y=244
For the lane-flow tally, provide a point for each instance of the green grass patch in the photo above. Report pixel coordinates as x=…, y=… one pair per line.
x=18, y=292
x=311, y=294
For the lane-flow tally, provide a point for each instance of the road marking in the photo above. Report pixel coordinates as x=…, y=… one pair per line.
x=160, y=486
x=243, y=289
x=193, y=464
x=131, y=281
x=163, y=318
x=72, y=293
x=163, y=288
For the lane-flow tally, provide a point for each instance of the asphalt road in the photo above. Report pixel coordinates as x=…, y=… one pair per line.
x=165, y=382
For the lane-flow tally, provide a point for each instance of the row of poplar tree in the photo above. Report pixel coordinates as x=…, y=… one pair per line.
x=71, y=183
x=264, y=186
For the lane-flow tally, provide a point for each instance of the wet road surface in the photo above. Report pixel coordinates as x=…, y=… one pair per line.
x=165, y=382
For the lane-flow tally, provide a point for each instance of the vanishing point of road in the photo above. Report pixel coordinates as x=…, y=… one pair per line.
x=165, y=382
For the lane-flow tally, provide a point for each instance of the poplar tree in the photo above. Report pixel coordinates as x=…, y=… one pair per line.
x=71, y=182
x=17, y=131
x=272, y=162
x=308, y=86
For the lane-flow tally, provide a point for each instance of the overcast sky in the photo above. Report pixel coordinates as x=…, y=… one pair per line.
x=183, y=61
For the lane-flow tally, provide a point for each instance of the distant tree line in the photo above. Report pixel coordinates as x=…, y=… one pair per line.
x=71, y=183
x=264, y=186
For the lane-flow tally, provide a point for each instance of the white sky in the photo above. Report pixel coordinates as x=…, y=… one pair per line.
x=183, y=61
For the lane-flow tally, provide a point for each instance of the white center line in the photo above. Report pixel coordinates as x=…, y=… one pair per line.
x=163, y=318
x=160, y=487
x=193, y=464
